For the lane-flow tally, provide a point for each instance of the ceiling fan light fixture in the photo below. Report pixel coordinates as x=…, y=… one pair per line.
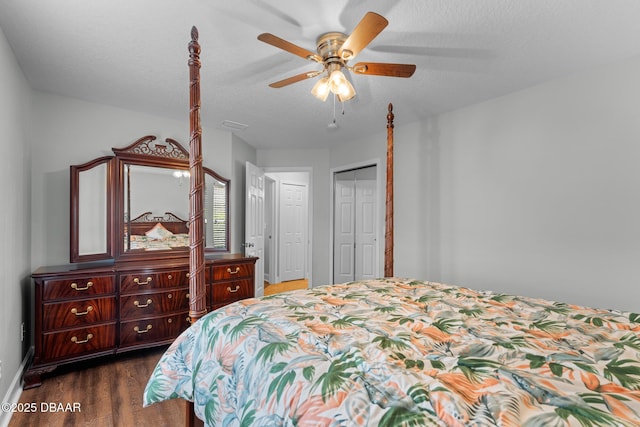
x=321, y=89
x=340, y=85
x=334, y=50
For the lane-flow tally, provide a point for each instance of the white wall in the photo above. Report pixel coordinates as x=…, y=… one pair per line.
x=534, y=193
x=15, y=196
x=68, y=131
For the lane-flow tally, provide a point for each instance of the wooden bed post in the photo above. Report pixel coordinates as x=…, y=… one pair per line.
x=388, y=235
x=197, y=292
x=197, y=300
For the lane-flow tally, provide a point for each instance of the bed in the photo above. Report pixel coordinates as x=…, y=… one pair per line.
x=397, y=352
x=393, y=352
x=156, y=232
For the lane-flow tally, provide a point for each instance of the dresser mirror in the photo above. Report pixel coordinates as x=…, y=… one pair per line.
x=91, y=210
x=136, y=205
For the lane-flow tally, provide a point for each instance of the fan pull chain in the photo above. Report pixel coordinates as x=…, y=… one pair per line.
x=333, y=124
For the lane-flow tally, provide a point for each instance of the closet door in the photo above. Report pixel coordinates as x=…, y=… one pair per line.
x=365, y=248
x=355, y=252
x=344, y=233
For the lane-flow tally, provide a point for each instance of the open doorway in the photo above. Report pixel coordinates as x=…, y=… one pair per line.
x=287, y=230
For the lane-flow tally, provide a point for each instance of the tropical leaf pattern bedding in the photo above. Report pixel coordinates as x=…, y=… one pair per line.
x=394, y=352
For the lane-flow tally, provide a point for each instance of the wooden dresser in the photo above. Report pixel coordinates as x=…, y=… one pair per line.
x=83, y=311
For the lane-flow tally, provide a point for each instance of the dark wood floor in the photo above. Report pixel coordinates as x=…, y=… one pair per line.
x=108, y=393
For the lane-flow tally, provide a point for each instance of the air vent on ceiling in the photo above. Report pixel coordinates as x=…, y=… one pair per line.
x=234, y=125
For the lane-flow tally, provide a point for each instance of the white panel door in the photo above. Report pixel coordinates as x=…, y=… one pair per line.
x=254, y=222
x=366, y=247
x=293, y=231
x=355, y=243
x=344, y=228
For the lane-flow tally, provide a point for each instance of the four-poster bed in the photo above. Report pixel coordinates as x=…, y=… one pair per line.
x=394, y=352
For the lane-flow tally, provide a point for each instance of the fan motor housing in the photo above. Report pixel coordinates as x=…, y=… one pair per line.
x=328, y=46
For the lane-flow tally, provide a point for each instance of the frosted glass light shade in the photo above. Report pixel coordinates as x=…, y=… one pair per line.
x=321, y=89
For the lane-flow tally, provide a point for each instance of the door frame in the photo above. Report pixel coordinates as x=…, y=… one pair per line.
x=380, y=205
x=297, y=253
x=270, y=217
x=252, y=244
x=309, y=171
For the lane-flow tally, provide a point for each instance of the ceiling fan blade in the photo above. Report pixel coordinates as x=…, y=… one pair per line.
x=289, y=47
x=295, y=79
x=384, y=69
x=366, y=30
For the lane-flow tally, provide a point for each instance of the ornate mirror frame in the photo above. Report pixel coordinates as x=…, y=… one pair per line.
x=102, y=185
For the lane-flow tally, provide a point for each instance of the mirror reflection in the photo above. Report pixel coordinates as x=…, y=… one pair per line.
x=90, y=210
x=156, y=209
x=93, y=214
x=216, y=213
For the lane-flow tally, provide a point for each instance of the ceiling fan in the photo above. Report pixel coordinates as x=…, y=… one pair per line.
x=334, y=51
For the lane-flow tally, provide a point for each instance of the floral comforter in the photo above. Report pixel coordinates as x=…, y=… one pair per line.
x=394, y=352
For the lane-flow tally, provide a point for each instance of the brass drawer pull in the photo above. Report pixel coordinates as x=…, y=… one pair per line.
x=81, y=313
x=143, y=331
x=233, y=290
x=74, y=339
x=137, y=303
x=149, y=279
x=237, y=270
x=75, y=286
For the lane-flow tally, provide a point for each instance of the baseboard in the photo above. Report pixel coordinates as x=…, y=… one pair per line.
x=15, y=390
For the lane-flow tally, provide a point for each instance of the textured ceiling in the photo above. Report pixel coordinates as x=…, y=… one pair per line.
x=133, y=54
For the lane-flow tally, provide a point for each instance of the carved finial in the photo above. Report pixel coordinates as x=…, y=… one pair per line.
x=390, y=116
x=194, y=46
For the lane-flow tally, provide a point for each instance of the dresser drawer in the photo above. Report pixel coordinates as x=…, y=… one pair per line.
x=228, y=292
x=232, y=271
x=135, y=306
x=80, y=341
x=138, y=282
x=153, y=329
x=80, y=287
x=78, y=313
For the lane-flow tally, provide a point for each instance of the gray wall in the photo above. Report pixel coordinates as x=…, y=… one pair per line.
x=15, y=268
